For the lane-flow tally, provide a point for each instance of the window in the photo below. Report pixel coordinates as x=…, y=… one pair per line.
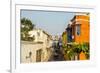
x=38, y=33
x=33, y=38
x=78, y=30
x=38, y=55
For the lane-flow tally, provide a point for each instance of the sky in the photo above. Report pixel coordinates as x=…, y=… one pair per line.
x=52, y=22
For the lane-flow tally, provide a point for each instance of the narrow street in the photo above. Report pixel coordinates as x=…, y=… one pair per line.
x=56, y=53
x=56, y=56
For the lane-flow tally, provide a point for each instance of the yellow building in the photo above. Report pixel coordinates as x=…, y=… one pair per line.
x=64, y=38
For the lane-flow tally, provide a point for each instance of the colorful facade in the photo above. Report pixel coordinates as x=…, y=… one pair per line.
x=80, y=28
x=82, y=56
x=78, y=31
x=69, y=33
x=64, y=38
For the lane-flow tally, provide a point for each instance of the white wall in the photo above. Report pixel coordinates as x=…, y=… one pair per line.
x=26, y=48
x=5, y=37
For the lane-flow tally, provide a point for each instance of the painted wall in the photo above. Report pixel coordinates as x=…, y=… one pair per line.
x=64, y=38
x=27, y=47
x=42, y=41
x=83, y=21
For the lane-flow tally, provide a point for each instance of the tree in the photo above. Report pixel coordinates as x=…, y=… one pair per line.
x=84, y=47
x=26, y=26
x=73, y=50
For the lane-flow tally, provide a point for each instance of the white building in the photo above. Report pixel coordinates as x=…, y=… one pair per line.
x=37, y=50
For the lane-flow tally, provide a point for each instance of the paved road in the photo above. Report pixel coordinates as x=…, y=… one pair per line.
x=56, y=55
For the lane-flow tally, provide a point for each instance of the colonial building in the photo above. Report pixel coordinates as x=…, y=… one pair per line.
x=78, y=32
x=38, y=49
x=69, y=33
x=64, y=38
x=80, y=28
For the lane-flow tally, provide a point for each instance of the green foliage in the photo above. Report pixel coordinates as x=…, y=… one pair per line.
x=86, y=49
x=31, y=38
x=26, y=26
x=64, y=47
x=75, y=49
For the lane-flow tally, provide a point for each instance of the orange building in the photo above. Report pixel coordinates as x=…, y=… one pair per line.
x=82, y=56
x=80, y=28
x=78, y=31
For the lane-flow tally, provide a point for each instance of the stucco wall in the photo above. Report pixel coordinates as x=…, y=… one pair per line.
x=26, y=48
